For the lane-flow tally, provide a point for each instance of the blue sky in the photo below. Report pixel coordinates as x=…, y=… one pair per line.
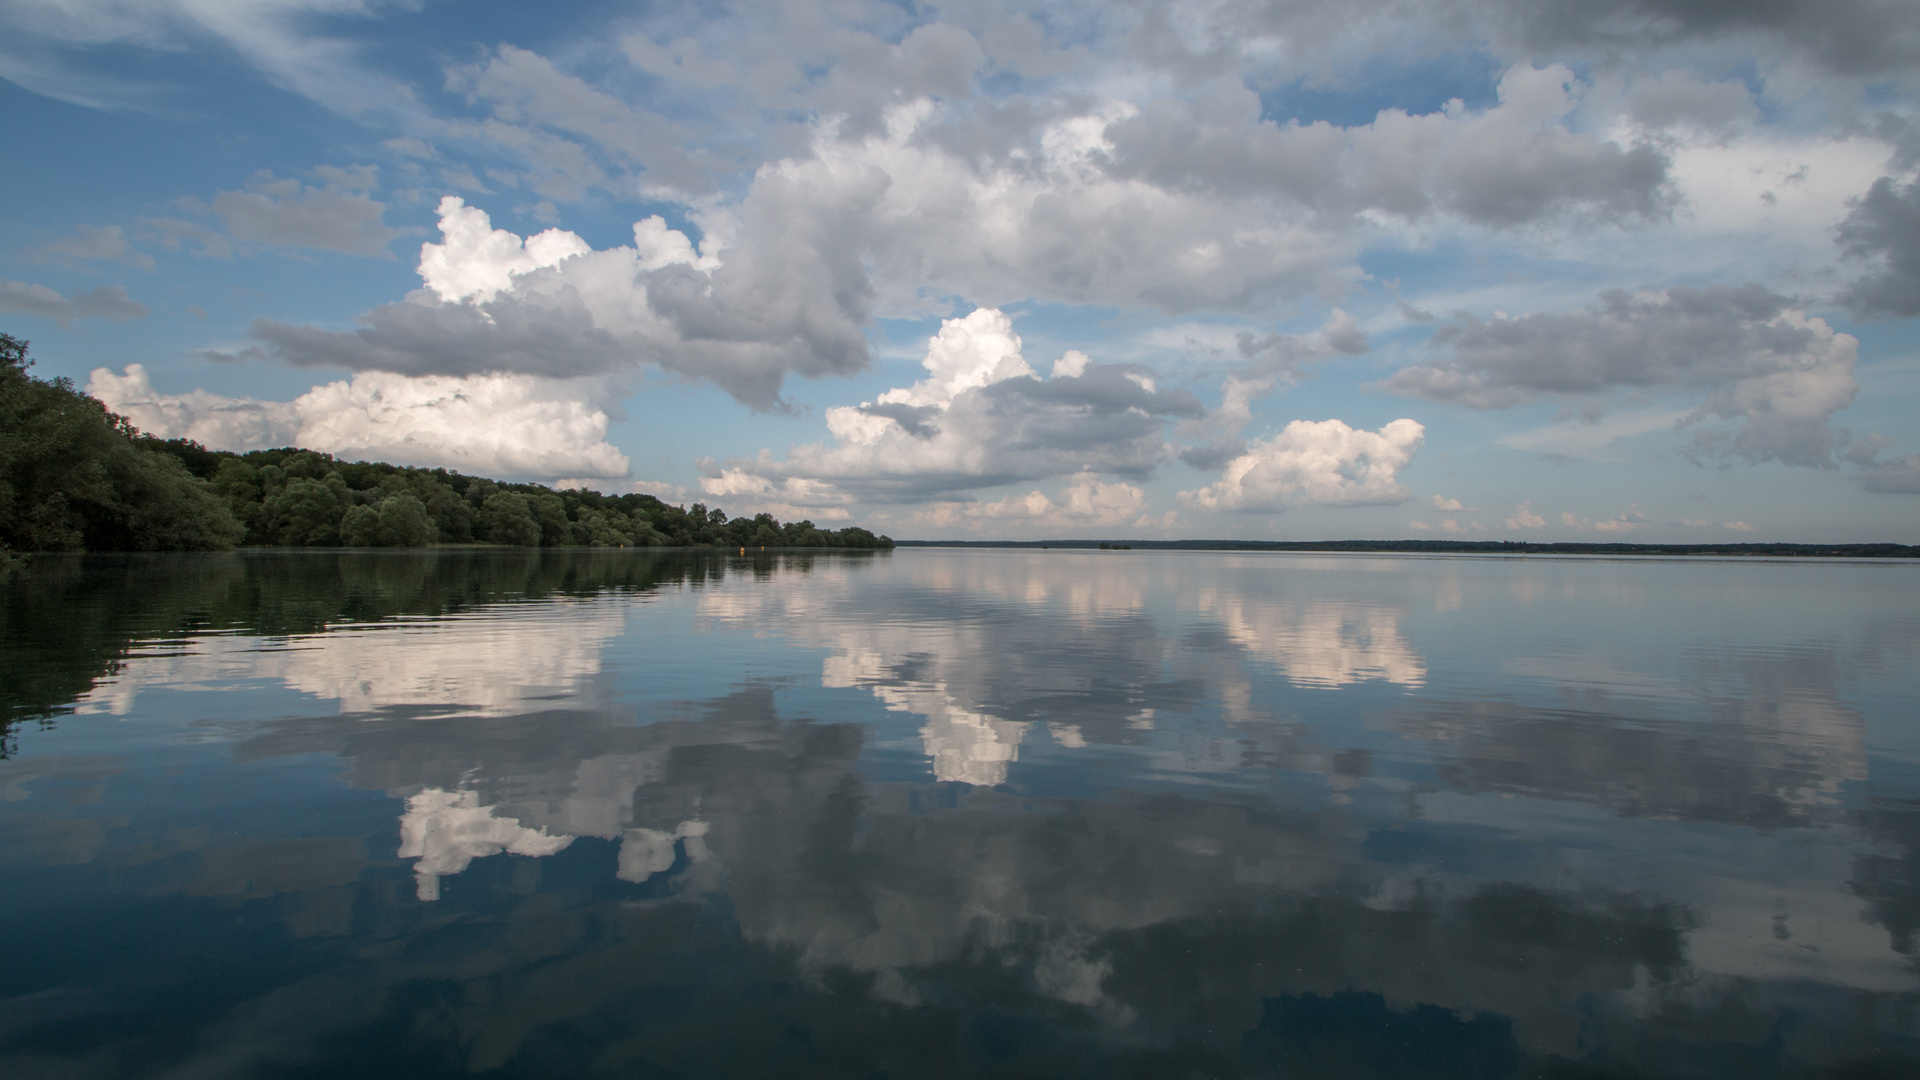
x=1625, y=269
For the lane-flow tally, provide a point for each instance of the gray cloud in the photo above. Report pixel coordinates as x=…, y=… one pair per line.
x=1681, y=98
x=791, y=295
x=1507, y=166
x=936, y=60
x=981, y=418
x=572, y=136
x=1104, y=413
x=1853, y=37
x=1884, y=225
x=785, y=299
x=1214, y=455
x=555, y=337
x=1901, y=476
x=1020, y=429
x=272, y=212
x=1758, y=360
x=287, y=213
x=92, y=242
x=109, y=302
x=919, y=421
x=1279, y=354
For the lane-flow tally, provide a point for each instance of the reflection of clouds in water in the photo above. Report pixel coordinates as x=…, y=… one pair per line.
x=492, y=662
x=1576, y=908
x=1769, y=906
x=1321, y=643
x=966, y=746
x=646, y=852
x=899, y=664
x=1098, y=900
x=971, y=748
x=1093, y=645
x=1772, y=745
x=446, y=830
x=849, y=874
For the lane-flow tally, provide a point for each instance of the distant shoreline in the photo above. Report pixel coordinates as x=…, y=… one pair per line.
x=1459, y=547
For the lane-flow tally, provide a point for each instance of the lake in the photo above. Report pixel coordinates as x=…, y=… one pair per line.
x=952, y=813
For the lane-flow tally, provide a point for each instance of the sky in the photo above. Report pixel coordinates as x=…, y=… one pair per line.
x=1642, y=270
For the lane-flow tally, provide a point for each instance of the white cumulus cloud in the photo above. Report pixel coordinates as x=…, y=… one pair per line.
x=1623, y=522
x=1524, y=518
x=1308, y=463
x=476, y=261
x=741, y=317
x=1450, y=526
x=981, y=418
x=495, y=425
x=1084, y=500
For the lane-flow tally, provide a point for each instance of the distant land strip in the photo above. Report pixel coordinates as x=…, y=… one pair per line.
x=1458, y=547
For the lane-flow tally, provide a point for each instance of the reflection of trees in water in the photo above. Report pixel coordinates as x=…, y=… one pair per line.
x=68, y=622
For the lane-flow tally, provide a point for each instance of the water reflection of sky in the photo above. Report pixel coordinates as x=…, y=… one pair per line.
x=1644, y=814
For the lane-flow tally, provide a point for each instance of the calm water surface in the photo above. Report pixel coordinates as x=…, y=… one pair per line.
x=959, y=813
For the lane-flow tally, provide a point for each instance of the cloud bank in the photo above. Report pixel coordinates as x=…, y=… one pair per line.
x=982, y=418
x=1884, y=227
x=1757, y=358
x=1315, y=464
x=491, y=425
x=552, y=306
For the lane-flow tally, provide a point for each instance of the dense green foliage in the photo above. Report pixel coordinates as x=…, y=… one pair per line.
x=75, y=476
x=302, y=498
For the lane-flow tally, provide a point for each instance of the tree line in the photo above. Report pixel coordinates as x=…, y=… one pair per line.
x=75, y=476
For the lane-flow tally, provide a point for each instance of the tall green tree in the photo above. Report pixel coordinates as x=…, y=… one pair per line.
x=506, y=519
x=73, y=477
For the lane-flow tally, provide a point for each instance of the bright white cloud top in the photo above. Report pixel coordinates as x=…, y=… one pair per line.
x=1018, y=269
x=481, y=424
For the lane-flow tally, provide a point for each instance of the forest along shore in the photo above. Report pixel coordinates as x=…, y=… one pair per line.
x=75, y=476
